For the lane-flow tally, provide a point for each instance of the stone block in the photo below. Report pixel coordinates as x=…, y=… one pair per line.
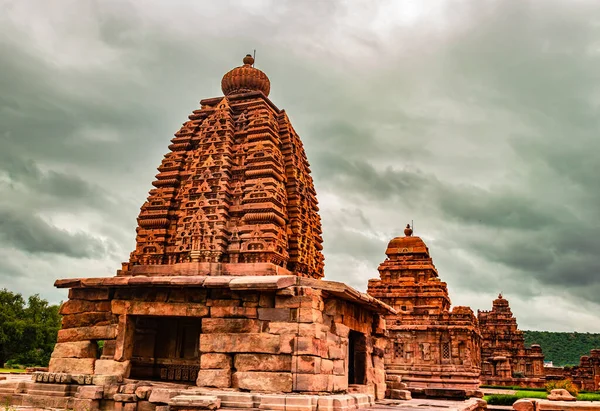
x=311, y=382
x=80, y=404
x=125, y=397
x=159, y=308
x=340, y=383
x=230, y=343
x=93, y=294
x=306, y=364
x=112, y=367
x=325, y=403
x=361, y=400
x=340, y=402
x=162, y=395
x=287, y=343
x=301, y=403
x=311, y=346
x=76, y=349
x=214, y=378
x=162, y=408
x=326, y=366
x=82, y=379
x=223, y=303
x=337, y=352
x=128, y=388
x=235, y=312
x=263, y=362
x=143, y=392
x=339, y=367
x=307, y=315
x=72, y=365
x=272, y=402
x=524, y=404
x=215, y=360
x=230, y=325
x=267, y=282
x=238, y=399
x=129, y=406
x=380, y=391
x=145, y=406
x=194, y=402
x=90, y=392
x=262, y=381
x=86, y=319
x=104, y=332
x=106, y=379
x=396, y=394
x=560, y=395
x=274, y=314
x=266, y=300
x=83, y=306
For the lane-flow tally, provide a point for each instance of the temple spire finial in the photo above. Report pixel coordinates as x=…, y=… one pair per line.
x=408, y=230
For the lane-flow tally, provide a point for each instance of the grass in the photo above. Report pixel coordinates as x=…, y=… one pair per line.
x=5, y=370
x=588, y=396
x=507, y=399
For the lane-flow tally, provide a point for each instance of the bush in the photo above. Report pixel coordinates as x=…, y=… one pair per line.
x=566, y=384
x=501, y=399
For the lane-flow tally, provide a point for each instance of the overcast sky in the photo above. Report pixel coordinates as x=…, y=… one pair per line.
x=476, y=119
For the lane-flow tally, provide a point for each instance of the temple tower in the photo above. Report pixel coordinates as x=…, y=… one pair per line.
x=224, y=288
x=505, y=359
x=431, y=347
x=234, y=194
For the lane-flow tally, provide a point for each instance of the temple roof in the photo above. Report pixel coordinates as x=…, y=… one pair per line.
x=407, y=245
x=245, y=79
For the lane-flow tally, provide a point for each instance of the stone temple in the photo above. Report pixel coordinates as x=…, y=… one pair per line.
x=222, y=302
x=505, y=359
x=434, y=349
x=223, y=291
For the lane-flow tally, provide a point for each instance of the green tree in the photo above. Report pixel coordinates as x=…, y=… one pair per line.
x=27, y=331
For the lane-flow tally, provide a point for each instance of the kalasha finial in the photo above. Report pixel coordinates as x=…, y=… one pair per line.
x=408, y=231
x=245, y=79
x=500, y=296
x=248, y=60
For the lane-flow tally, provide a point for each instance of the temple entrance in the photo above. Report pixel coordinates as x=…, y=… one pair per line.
x=357, y=358
x=166, y=348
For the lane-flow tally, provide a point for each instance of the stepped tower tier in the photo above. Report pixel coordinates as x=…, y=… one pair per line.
x=234, y=194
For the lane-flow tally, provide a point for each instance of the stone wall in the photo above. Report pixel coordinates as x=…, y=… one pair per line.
x=87, y=319
x=296, y=339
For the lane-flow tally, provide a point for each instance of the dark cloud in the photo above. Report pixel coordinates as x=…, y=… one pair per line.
x=477, y=120
x=32, y=234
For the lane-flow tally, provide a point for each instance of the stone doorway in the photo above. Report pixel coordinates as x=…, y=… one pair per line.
x=357, y=358
x=166, y=348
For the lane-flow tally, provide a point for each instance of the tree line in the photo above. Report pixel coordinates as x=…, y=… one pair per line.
x=28, y=329
x=563, y=348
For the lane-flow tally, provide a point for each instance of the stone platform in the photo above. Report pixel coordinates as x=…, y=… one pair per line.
x=80, y=394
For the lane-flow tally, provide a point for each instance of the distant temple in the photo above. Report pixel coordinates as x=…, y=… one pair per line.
x=505, y=360
x=431, y=347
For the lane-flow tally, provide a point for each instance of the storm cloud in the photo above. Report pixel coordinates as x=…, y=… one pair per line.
x=476, y=119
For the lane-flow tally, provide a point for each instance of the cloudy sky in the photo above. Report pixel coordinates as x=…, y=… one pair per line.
x=476, y=119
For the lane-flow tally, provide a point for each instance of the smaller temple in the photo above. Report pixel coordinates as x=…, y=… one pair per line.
x=433, y=349
x=505, y=360
x=586, y=375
